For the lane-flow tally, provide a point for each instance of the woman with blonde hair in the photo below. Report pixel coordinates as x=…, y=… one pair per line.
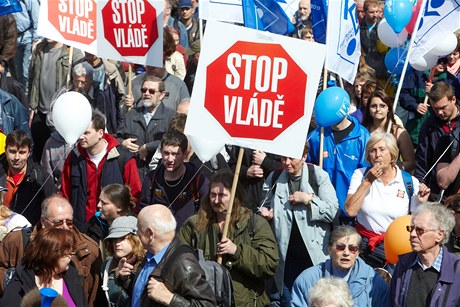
x=379, y=194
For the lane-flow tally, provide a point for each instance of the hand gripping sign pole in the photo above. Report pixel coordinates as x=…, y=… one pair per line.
x=232, y=198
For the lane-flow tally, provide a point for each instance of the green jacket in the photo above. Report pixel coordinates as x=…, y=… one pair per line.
x=254, y=261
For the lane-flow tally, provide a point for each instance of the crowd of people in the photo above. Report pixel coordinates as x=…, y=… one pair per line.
x=120, y=217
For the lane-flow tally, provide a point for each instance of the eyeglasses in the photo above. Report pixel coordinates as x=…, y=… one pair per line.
x=418, y=230
x=151, y=90
x=56, y=224
x=378, y=106
x=341, y=247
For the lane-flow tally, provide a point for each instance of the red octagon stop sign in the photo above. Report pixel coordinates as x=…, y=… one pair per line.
x=255, y=90
x=74, y=19
x=130, y=26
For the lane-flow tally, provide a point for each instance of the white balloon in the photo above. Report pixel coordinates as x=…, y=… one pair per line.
x=204, y=148
x=445, y=46
x=389, y=37
x=71, y=116
x=425, y=62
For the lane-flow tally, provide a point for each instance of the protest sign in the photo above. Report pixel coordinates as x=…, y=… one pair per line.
x=255, y=89
x=126, y=30
x=343, y=44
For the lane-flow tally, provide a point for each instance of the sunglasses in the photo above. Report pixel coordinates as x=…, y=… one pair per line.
x=69, y=223
x=341, y=247
x=418, y=230
x=151, y=90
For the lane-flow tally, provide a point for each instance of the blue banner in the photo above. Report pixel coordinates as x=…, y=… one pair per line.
x=266, y=15
x=9, y=6
x=319, y=20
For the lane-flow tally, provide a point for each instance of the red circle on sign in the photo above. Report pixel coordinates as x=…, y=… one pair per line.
x=255, y=90
x=130, y=26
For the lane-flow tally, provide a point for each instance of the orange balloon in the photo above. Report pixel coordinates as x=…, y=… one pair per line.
x=397, y=239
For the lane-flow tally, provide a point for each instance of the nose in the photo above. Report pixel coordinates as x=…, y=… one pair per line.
x=99, y=206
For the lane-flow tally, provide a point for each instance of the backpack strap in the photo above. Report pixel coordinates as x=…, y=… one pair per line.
x=26, y=232
x=312, y=178
x=409, y=184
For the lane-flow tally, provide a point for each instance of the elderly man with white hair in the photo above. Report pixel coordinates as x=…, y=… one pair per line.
x=429, y=275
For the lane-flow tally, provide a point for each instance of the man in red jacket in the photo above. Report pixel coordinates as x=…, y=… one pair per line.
x=98, y=160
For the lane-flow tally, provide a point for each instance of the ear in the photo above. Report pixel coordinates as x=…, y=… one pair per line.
x=440, y=234
x=163, y=94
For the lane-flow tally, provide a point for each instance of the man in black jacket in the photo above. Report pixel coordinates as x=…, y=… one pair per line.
x=28, y=183
x=182, y=282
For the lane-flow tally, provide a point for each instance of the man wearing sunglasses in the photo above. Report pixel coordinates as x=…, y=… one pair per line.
x=143, y=126
x=429, y=275
x=57, y=212
x=366, y=286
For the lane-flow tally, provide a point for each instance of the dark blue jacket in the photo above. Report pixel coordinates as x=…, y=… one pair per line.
x=446, y=291
x=13, y=114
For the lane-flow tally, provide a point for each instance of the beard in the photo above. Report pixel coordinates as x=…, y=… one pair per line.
x=148, y=103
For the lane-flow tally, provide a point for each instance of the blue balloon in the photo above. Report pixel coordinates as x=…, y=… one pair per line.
x=394, y=60
x=398, y=13
x=331, y=106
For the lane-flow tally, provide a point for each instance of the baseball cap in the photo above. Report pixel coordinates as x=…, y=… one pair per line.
x=185, y=3
x=122, y=226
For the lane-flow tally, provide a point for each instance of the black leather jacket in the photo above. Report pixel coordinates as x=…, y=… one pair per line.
x=184, y=278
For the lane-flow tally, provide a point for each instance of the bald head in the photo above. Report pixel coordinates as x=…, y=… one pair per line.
x=56, y=209
x=158, y=218
x=156, y=227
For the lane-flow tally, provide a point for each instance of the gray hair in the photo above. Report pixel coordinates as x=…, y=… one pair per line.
x=390, y=142
x=343, y=231
x=83, y=69
x=56, y=199
x=441, y=218
x=330, y=291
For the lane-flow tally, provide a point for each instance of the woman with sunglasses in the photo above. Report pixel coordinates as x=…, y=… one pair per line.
x=366, y=286
x=379, y=116
x=47, y=264
x=379, y=194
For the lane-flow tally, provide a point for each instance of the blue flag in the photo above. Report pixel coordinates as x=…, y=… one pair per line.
x=319, y=20
x=9, y=6
x=266, y=15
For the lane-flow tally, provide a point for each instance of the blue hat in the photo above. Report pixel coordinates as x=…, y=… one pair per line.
x=185, y=3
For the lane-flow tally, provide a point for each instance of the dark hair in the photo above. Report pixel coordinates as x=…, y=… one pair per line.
x=150, y=78
x=367, y=118
x=175, y=138
x=453, y=202
x=18, y=138
x=43, y=252
x=120, y=196
x=440, y=90
x=98, y=121
x=207, y=216
x=178, y=122
x=169, y=46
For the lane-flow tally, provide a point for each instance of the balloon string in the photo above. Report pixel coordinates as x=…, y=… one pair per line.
x=392, y=73
x=49, y=176
x=194, y=175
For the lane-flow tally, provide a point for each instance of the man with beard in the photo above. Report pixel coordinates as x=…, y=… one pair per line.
x=302, y=18
x=174, y=183
x=143, y=126
x=98, y=161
